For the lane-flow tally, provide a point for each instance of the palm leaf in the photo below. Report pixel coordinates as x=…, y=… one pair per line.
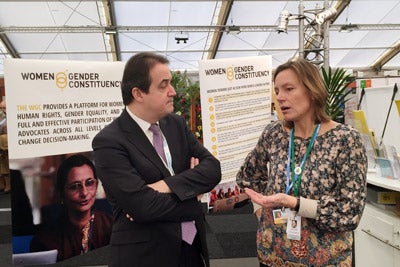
x=336, y=84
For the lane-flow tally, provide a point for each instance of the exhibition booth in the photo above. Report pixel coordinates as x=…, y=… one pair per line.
x=61, y=70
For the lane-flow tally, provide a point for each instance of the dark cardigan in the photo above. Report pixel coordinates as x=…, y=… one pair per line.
x=67, y=238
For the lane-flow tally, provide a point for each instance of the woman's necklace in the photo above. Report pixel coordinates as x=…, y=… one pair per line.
x=85, y=234
x=297, y=171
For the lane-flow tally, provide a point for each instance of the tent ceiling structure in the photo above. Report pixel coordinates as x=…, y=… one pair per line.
x=364, y=36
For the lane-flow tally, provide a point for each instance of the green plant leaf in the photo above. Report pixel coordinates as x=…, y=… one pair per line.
x=336, y=83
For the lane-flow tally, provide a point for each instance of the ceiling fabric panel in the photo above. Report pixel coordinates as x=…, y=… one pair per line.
x=394, y=62
x=189, y=31
x=148, y=13
x=33, y=43
x=361, y=56
x=185, y=54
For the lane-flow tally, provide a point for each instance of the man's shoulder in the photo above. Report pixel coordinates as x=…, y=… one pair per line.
x=173, y=118
x=110, y=131
x=112, y=126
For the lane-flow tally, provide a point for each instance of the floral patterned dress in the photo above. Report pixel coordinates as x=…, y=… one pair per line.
x=334, y=175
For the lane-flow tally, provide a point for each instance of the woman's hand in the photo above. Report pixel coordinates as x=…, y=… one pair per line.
x=272, y=201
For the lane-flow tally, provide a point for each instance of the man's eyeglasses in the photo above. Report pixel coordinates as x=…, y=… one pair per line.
x=90, y=184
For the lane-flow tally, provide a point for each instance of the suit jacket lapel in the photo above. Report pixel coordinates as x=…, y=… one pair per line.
x=138, y=138
x=174, y=141
x=170, y=136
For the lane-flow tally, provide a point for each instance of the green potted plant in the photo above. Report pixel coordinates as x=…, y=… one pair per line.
x=336, y=83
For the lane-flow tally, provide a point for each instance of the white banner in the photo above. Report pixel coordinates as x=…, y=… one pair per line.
x=236, y=106
x=57, y=107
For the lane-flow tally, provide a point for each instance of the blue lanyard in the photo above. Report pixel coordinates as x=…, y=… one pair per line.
x=168, y=164
x=298, y=171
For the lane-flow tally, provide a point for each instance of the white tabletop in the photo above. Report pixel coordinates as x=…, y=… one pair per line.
x=374, y=178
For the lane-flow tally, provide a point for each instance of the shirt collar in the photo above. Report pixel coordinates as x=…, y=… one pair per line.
x=144, y=125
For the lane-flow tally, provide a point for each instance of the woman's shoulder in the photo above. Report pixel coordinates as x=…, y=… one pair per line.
x=333, y=126
x=102, y=217
x=274, y=130
x=46, y=234
x=340, y=131
x=275, y=126
x=101, y=213
x=327, y=126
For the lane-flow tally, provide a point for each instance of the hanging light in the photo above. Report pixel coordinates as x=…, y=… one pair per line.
x=348, y=28
x=283, y=21
x=233, y=29
x=182, y=37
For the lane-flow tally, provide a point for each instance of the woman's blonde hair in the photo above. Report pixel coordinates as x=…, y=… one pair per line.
x=311, y=78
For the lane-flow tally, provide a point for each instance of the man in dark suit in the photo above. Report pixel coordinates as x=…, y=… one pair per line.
x=150, y=196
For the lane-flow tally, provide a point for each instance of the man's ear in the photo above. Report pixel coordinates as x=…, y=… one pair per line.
x=137, y=94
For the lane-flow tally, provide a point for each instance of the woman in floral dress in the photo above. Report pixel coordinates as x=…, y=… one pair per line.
x=310, y=168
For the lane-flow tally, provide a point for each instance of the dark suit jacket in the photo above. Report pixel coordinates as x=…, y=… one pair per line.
x=126, y=162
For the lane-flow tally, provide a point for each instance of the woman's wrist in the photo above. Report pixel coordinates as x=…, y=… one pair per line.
x=291, y=202
x=297, y=207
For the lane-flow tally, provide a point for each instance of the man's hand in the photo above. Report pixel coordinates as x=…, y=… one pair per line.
x=129, y=217
x=193, y=163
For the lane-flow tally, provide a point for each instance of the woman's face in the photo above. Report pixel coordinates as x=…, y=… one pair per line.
x=292, y=96
x=80, y=189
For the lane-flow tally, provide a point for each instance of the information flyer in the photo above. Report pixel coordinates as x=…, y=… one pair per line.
x=57, y=107
x=54, y=109
x=236, y=107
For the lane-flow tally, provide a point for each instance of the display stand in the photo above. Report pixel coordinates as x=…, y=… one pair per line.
x=376, y=105
x=378, y=233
